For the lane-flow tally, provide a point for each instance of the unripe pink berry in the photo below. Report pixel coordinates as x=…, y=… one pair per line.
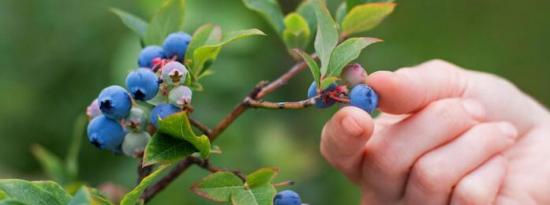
x=354, y=74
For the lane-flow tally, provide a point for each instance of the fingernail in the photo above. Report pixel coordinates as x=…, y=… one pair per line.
x=474, y=108
x=508, y=129
x=351, y=126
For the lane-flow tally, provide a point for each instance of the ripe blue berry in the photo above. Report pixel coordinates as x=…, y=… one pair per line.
x=180, y=96
x=287, y=197
x=136, y=120
x=161, y=111
x=176, y=45
x=324, y=101
x=134, y=143
x=173, y=73
x=364, y=97
x=354, y=74
x=93, y=110
x=143, y=84
x=148, y=54
x=105, y=133
x=114, y=102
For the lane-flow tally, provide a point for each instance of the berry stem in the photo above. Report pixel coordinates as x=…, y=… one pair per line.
x=282, y=105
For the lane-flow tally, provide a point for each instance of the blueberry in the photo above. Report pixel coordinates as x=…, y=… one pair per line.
x=180, y=96
x=173, y=73
x=354, y=74
x=93, y=110
x=105, y=133
x=324, y=101
x=148, y=54
x=287, y=197
x=176, y=45
x=114, y=102
x=143, y=84
x=364, y=97
x=134, y=143
x=136, y=120
x=161, y=111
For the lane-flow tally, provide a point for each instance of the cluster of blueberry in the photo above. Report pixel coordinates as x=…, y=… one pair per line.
x=120, y=124
x=361, y=95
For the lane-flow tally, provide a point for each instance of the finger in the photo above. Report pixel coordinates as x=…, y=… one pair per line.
x=391, y=152
x=410, y=89
x=343, y=140
x=435, y=174
x=481, y=186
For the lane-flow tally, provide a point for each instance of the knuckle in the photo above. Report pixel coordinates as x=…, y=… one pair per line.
x=451, y=112
x=382, y=158
x=430, y=176
x=471, y=192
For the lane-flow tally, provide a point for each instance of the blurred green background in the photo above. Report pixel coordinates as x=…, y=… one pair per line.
x=56, y=55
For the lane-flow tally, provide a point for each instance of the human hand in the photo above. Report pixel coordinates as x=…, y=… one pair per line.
x=446, y=135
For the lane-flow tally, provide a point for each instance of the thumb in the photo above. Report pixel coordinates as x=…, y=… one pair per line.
x=343, y=139
x=410, y=89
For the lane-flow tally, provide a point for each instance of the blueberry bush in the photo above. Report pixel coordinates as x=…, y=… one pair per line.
x=150, y=117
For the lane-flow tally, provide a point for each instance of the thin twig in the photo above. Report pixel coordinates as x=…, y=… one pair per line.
x=282, y=105
x=204, y=129
x=151, y=191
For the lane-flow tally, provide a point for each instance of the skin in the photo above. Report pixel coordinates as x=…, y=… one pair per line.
x=446, y=136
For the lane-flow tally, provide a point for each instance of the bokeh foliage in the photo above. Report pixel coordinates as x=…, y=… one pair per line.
x=55, y=55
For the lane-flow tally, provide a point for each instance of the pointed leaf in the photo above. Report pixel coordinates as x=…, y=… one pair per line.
x=178, y=126
x=296, y=33
x=307, y=10
x=134, y=23
x=261, y=177
x=206, y=34
x=218, y=186
x=313, y=67
x=165, y=149
x=270, y=11
x=168, y=19
x=346, y=52
x=365, y=17
x=89, y=196
x=209, y=52
x=327, y=34
x=52, y=164
x=341, y=12
x=132, y=197
x=35, y=193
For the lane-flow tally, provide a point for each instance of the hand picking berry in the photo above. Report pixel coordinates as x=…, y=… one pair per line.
x=180, y=96
x=324, y=101
x=354, y=74
x=364, y=97
x=114, y=102
x=134, y=143
x=148, y=54
x=176, y=45
x=105, y=133
x=93, y=110
x=161, y=111
x=287, y=197
x=143, y=84
x=173, y=73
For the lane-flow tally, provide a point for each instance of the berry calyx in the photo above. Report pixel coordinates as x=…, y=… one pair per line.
x=176, y=45
x=143, y=84
x=287, y=197
x=364, y=97
x=114, y=102
x=173, y=73
x=105, y=133
x=148, y=55
x=180, y=96
x=324, y=101
x=136, y=120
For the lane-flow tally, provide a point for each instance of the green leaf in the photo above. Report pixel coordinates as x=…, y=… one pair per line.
x=165, y=149
x=365, y=17
x=11, y=202
x=270, y=11
x=226, y=186
x=71, y=161
x=307, y=10
x=52, y=164
x=35, y=193
x=352, y=3
x=313, y=67
x=346, y=52
x=296, y=33
x=341, y=12
x=168, y=19
x=89, y=196
x=326, y=82
x=206, y=34
x=134, y=23
x=327, y=34
x=209, y=52
x=132, y=197
x=178, y=126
